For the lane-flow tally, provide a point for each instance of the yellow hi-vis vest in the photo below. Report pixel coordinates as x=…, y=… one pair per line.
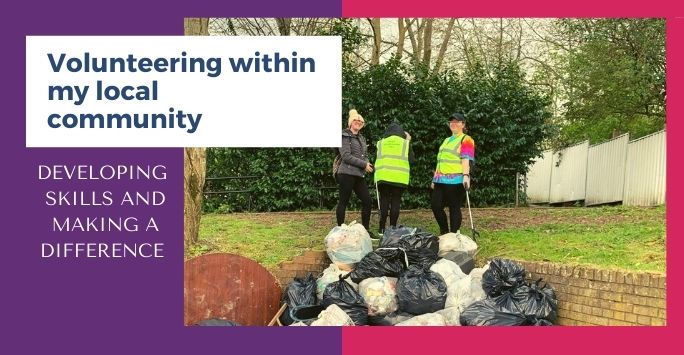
x=392, y=163
x=449, y=156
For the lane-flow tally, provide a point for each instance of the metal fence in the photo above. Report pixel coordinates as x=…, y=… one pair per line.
x=614, y=171
x=606, y=171
x=645, y=171
x=569, y=174
x=539, y=179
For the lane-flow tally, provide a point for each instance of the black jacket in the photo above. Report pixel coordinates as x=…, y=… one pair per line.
x=354, y=153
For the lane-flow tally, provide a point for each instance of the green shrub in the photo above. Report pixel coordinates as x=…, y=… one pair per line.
x=506, y=117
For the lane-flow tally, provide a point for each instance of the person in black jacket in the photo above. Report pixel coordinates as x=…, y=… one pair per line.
x=354, y=164
x=395, y=156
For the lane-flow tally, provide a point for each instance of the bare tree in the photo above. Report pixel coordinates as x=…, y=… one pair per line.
x=196, y=26
x=443, y=47
x=401, y=39
x=427, y=42
x=416, y=37
x=284, y=25
x=377, y=40
x=279, y=26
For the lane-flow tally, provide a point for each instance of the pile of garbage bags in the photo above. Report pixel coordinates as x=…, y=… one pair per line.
x=510, y=299
x=406, y=281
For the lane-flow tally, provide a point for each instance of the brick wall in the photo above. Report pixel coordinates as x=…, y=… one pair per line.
x=590, y=296
x=586, y=296
x=311, y=261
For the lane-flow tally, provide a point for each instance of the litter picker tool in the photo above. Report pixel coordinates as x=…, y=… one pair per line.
x=377, y=194
x=476, y=234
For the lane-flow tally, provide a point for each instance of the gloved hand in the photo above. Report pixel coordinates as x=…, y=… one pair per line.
x=466, y=182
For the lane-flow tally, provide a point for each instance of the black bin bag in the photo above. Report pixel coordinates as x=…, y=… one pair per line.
x=502, y=275
x=537, y=301
x=421, y=249
x=392, y=235
x=488, y=313
x=299, y=292
x=306, y=314
x=390, y=262
x=537, y=304
x=421, y=291
x=347, y=298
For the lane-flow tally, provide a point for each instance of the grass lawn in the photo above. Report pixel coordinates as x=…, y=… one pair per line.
x=619, y=237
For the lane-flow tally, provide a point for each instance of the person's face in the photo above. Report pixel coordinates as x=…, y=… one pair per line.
x=357, y=124
x=456, y=125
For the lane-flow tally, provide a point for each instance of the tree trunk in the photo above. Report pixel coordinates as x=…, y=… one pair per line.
x=195, y=167
x=194, y=160
x=377, y=40
x=401, y=40
x=414, y=43
x=443, y=47
x=284, y=25
x=427, y=43
x=196, y=26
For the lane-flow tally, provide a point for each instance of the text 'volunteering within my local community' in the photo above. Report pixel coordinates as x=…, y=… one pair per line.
x=172, y=118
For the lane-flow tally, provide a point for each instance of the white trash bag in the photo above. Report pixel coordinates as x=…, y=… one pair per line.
x=427, y=319
x=448, y=270
x=467, y=290
x=346, y=245
x=478, y=272
x=332, y=316
x=456, y=242
x=451, y=315
x=380, y=294
x=331, y=274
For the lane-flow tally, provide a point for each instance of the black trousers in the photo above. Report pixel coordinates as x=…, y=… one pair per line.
x=390, y=199
x=450, y=195
x=349, y=183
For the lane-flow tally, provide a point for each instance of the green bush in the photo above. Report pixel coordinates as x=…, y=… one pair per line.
x=507, y=119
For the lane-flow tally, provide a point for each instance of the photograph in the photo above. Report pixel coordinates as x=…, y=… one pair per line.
x=490, y=172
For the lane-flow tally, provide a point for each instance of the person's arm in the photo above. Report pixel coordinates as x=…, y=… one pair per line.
x=467, y=154
x=412, y=156
x=466, y=167
x=466, y=173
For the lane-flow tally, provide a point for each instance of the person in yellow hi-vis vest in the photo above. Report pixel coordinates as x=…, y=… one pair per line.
x=392, y=172
x=452, y=175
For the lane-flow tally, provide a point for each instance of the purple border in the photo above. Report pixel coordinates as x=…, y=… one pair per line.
x=111, y=306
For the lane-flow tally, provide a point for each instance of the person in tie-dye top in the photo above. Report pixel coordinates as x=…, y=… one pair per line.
x=452, y=175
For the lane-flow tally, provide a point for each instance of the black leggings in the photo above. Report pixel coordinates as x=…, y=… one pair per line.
x=390, y=198
x=358, y=185
x=451, y=195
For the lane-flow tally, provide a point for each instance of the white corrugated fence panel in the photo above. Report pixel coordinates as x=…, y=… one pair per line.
x=606, y=171
x=539, y=179
x=645, y=171
x=569, y=174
